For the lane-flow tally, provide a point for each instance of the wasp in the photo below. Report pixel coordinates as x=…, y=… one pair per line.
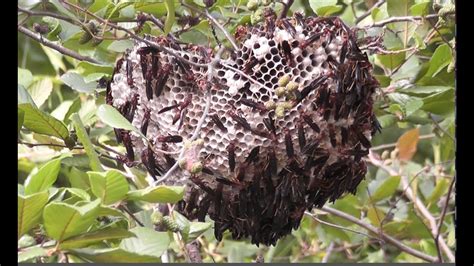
x=310, y=40
x=270, y=124
x=231, y=155
x=127, y=142
x=145, y=121
x=168, y=108
x=162, y=78
x=248, y=66
x=287, y=53
x=252, y=104
x=301, y=135
x=129, y=72
x=290, y=152
x=240, y=120
x=289, y=27
x=170, y=139
x=312, y=86
x=218, y=122
x=253, y=156
x=307, y=118
x=332, y=135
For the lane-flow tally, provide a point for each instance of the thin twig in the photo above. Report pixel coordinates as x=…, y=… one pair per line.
x=443, y=214
x=385, y=236
x=436, y=124
x=368, y=12
x=216, y=23
x=329, y=251
x=393, y=145
x=134, y=36
x=125, y=209
x=59, y=48
x=47, y=14
x=49, y=144
x=338, y=226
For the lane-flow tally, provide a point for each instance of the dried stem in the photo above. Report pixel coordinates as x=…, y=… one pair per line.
x=384, y=236
x=55, y=46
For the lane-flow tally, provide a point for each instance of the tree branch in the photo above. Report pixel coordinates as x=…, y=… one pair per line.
x=193, y=251
x=59, y=48
x=366, y=14
x=414, y=19
x=443, y=214
x=418, y=204
x=384, y=236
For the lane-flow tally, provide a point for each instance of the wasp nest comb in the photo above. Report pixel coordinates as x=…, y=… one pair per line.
x=289, y=122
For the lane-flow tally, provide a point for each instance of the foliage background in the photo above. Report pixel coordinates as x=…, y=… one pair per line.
x=73, y=205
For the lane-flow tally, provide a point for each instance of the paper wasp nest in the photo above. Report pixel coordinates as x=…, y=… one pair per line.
x=287, y=136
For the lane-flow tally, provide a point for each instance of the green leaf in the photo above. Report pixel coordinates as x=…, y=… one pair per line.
x=31, y=253
x=401, y=8
x=113, y=255
x=120, y=46
x=412, y=106
x=21, y=117
x=43, y=123
x=86, y=68
x=316, y=4
x=110, y=186
x=109, y=115
x=170, y=18
x=183, y=224
x=86, y=239
x=420, y=9
x=390, y=61
x=76, y=82
x=62, y=221
x=156, y=9
x=44, y=178
x=80, y=193
x=424, y=90
x=74, y=108
x=25, y=78
x=147, y=242
x=386, y=189
x=24, y=96
x=86, y=142
x=29, y=210
x=197, y=228
x=158, y=194
x=40, y=90
x=440, y=59
x=328, y=10
x=440, y=189
x=441, y=103
x=55, y=57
